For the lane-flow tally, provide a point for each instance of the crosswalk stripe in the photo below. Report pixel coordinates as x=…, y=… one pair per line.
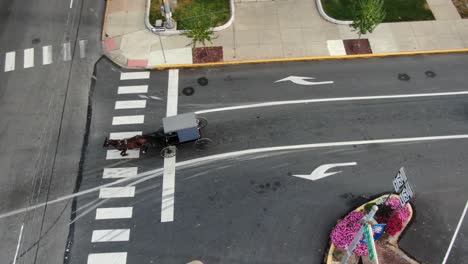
x=130, y=104
x=122, y=135
x=110, y=235
x=115, y=154
x=28, y=58
x=122, y=172
x=117, y=192
x=46, y=55
x=66, y=51
x=127, y=120
x=114, y=213
x=108, y=258
x=83, y=44
x=10, y=61
x=132, y=89
x=134, y=75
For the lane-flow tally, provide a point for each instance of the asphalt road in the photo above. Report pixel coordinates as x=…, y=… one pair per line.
x=249, y=208
x=44, y=102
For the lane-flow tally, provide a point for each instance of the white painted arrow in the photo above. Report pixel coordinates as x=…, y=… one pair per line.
x=302, y=80
x=320, y=172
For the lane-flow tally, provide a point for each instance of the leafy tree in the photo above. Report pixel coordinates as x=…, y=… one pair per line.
x=367, y=15
x=198, y=22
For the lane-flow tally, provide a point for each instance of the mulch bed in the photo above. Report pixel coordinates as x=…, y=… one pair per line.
x=207, y=54
x=357, y=46
x=462, y=7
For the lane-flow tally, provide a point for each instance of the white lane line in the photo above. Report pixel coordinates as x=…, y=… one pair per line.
x=82, y=44
x=134, y=75
x=168, y=189
x=455, y=234
x=28, y=58
x=123, y=172
x=306, y=101
x=10, y=58
x=122, y=135
x=147, y=175
x=71, y=3
x=132, y=89
x=108, y=258
x=46, y=55
x=127, y=120
x=110, y=235
x=66, y=51
x=114, y=213
x=168, y=181
x=130, y=104
x=117, y=192
x=19, y=243
x=115, y=154
x=172, y=92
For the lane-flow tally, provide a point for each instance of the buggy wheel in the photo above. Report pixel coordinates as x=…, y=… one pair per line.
x=201, y=122
x=202, y=143
x=168, y=152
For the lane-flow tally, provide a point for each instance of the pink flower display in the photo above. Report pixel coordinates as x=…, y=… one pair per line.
x=345, y=231
x=396, y=218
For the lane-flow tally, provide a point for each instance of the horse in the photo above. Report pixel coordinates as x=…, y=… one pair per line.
x=129, y=143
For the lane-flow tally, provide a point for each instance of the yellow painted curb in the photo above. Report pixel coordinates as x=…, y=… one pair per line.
x=103, y=35
x=162, y=67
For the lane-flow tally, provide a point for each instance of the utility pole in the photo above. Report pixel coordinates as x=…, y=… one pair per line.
x=364, y=221
x=167, y=11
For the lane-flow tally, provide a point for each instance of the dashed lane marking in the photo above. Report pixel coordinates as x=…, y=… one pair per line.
x=132, y=89
x=115, y=154
x=128, y=120
x=122, y=135
x=28, y=58
x=117, y=192
x=108, y=258
x=130, y=104
x=123, y=172
x=114, y=213
x=134, y=75
x=46, y=55
x=10, y=61
x=110, y=235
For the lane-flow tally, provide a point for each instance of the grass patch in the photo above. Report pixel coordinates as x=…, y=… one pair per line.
x=219, y=11
x=397, y=10
x=462, y=7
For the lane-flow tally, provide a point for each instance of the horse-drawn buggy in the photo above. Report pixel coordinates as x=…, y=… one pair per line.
x=176, y=130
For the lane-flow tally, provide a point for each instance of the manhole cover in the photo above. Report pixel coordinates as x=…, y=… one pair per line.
x=188, y=91
x=430, y=74
x=203, y=81
x=403, y=77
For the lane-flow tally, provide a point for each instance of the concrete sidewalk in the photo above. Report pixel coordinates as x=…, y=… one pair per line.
x=265, y=30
